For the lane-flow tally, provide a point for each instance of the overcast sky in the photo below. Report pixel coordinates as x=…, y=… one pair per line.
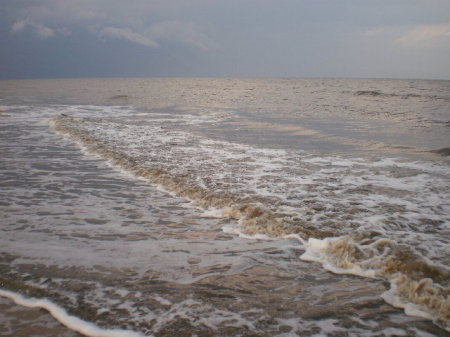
x=232, y=38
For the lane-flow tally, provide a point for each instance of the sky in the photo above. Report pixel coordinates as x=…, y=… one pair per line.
x=225, y=38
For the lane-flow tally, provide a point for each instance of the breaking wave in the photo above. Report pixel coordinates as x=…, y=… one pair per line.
x=417, y=286
x=376, y=218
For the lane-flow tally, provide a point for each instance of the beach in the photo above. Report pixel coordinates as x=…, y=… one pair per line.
x=225, y=207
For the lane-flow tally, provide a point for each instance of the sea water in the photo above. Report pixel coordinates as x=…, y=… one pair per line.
x=228, y=207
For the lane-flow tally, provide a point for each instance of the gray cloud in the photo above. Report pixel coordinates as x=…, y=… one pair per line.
x=419, y=36
x=349, y=38
x=38, y=29
x=426, y=35
x=184, y=32
x=140, y=21
x=127, y=34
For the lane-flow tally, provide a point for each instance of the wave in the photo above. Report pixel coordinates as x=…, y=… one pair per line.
x=443, y=152
x=72, y=322
x=278, y=193
x=377, y=93
x=416, y=285
x=253, y=215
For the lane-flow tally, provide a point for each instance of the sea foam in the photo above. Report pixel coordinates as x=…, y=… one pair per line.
x=72, y=322
x=359, y=215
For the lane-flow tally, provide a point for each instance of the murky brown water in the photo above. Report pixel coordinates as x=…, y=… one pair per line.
x=161, y=206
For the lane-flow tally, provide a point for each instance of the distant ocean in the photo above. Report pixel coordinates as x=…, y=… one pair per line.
x=226, y=207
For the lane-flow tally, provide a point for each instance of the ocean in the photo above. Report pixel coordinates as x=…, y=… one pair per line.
x=224, y=207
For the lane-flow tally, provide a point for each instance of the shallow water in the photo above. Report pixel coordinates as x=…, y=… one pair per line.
x=20, y=321
x=194, y=206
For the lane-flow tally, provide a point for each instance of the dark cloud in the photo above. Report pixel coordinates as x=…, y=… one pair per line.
x=57, y=38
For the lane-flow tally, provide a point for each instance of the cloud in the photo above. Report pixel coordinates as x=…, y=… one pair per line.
x=38, y=29
x=425, y=35
x=185, y=32
x=18, y=26
x=178, y=31
x=249, y=37
x=145, y=22
x=127, y=34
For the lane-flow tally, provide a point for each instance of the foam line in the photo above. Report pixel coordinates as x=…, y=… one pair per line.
x=72, y=322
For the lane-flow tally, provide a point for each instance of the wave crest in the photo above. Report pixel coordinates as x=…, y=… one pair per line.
x=260, y=209
x=413, y=280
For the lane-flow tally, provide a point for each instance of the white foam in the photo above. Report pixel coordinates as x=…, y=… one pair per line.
x=199, y=314
x=72, y=322
x=162, y=300
x=390, y=296
x=287, y=178
x=231, y=229
x=378, y=195
x=296, y=237
x=317, y=251
x=212, y=213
